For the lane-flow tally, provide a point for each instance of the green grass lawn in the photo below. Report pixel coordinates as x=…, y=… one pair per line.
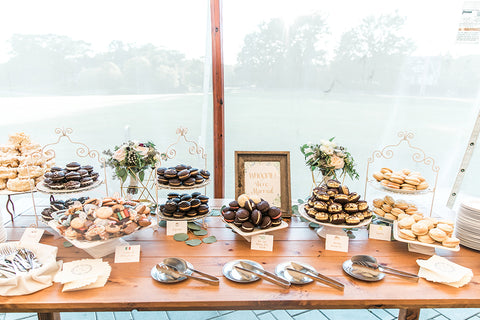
x=259, y=121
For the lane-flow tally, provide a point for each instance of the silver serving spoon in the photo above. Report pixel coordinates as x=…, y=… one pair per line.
x=371, y=262
x=180, y=266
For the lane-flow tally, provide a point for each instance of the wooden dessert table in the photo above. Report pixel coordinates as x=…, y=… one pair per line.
x=131, y=287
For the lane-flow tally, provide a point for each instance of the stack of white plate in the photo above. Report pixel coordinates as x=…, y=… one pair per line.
x=468, y=224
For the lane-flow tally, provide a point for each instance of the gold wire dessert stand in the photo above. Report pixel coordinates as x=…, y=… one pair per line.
x=193, y=149
x=82, y=151
x=418, y=156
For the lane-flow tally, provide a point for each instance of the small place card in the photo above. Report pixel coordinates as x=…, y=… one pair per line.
x=263, y=242
x=174, y=227
x=380, y=232
x=336, y=242
x=32, y=235
x=127, y=254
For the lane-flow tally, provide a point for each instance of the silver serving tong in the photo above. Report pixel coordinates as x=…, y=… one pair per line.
x=263, y=274
x=300, y=269
x=371, y=262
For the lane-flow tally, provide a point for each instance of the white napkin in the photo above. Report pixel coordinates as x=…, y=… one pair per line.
x=35, y=279
x=439, y=269
x=83, y=274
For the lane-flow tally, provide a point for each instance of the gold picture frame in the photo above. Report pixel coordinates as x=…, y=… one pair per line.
x=266, y=174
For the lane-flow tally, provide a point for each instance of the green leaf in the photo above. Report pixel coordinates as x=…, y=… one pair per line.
x=300, y=201
x=162, y=223
x=141, y=175
x=194, y=242
x=215, y=213
x=313, y=225
x=201, y=232
x=67, y=244
x=193, y=226
x=180, y=236
x=210, y=239
x=121, y=173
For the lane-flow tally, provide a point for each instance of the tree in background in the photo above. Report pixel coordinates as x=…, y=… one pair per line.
x=277, y=55
x=372, y=54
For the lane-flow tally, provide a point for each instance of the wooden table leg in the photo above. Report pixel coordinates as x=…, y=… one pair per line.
x=409, y=314
x=49, y=316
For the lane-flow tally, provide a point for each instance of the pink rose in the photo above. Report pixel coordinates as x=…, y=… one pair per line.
x=142, y=150
x=120, y=154
x=337, y=162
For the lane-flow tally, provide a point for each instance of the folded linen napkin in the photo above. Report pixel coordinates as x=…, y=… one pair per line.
x=439, y=269
x=83, y=274
x=36, y=279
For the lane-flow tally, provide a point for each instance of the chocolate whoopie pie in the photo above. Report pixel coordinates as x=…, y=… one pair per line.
x=83, y=173
x=199, y=179
x=172, y=195
x=183, y=175
x=174, y=182
x=234, y=205
x=247, y=226
x=184, y=206
x=256, y=217
x=170, y=206
x=185, y=197
x=242, y=214
x=203, y=209
x=195, y=203
x=94, y=175
x=203, y=198
x=263, y=206
x=189, y=182
x=229, y=216
x=85, y=182
x=170, y=173
x=73, y=175
x=266, y=222
x=193, y=171
x=73, y=184
x=195, y=194
x=53, y=169
x=205, y=174
x=73, y=166
x=87, y=167
x=161, y=170
x=162, y=179
x=180, y=167
x=274, y=212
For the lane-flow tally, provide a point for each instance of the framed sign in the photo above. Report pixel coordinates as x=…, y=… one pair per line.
x=266, y=174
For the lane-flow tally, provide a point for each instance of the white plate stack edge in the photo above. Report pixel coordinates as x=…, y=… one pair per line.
x=467, y=228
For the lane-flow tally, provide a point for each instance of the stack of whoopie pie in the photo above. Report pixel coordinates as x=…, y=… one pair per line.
x=181, y=175
x=73, y=176
x=250, y=212
x=185, y=205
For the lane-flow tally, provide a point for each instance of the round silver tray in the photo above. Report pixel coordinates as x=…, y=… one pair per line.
x=164, y=278
x=197, y=217
x=348, y=268
x=195, y=186
x=232, y=274
x=6, y=192
x=282, y=272
x=43, y=188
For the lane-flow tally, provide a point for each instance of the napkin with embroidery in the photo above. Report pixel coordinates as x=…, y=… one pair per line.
x=83, y=274
x=439, y=269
